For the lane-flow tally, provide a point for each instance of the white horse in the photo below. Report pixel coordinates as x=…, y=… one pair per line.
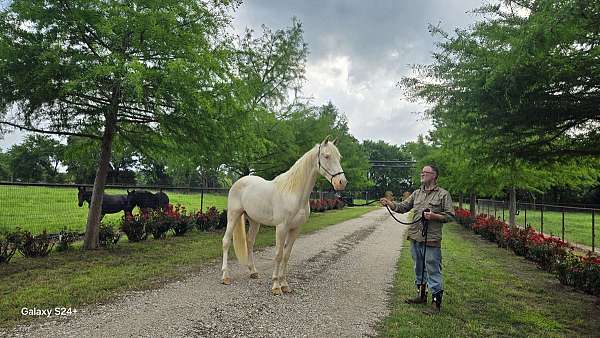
x=283, y=203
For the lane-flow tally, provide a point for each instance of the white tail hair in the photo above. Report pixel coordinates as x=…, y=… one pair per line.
x=239, y=241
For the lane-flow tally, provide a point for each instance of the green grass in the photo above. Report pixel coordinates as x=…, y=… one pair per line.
x=578, y=225
x=489, y=292
x=75, y=278
x=38, y=208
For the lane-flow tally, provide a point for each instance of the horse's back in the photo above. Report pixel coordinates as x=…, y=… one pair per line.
x=114, y=203
x=250, y=183
x=162, y=199
x=253, y=195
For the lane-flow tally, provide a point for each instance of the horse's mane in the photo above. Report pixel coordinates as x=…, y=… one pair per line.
x=298, y=174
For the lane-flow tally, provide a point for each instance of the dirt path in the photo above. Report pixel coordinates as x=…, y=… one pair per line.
x=340, y=278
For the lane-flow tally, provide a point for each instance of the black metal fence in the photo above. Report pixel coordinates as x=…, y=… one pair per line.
x=575, y=225
x=39, y=206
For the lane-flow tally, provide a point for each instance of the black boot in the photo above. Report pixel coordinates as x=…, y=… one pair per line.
x=436, y=304
x=421, y=296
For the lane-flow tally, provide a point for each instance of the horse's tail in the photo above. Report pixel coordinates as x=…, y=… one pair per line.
x=239, y=240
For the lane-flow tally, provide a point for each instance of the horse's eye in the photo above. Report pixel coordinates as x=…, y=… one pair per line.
x=327, y=156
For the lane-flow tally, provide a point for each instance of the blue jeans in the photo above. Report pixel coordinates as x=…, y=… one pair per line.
x=433, y=266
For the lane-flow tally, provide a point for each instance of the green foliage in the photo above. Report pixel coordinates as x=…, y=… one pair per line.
x=35, y=159
x=108, y=235
x=65, y=239
x=397, y=180
x=521, y=82
x=135, y=227
x=511, y=99
x=35, y=245
x=9, y=243
x=158, y=225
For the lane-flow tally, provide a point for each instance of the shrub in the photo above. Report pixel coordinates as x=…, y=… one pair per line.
x=108, y=235
x=65, y=239
x=548, y=252
x=201, y=221
x=134, y=226
x=35, y=245
x=580, y=272
x=9, y=243
x=223, y=219
x=212, y=218
x=159, y=224
x=464, y=217
x=182, y=221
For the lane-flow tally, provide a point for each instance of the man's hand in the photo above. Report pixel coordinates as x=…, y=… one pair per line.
x=384, y=201
x=431, y=216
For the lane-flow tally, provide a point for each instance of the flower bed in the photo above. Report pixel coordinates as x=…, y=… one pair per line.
x=137, y=227
x=323, y=205
x=550, y=253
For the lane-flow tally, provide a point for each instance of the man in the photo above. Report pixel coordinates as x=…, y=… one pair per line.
x=439, y=202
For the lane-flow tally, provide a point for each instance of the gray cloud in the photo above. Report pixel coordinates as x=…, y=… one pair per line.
x=360, y=49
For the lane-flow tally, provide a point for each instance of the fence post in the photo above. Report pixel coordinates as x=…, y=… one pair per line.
x=525, y=210
x=201, y=199
x=494, y=201
x=542, y=218
x=563, y=224
x=593, y=230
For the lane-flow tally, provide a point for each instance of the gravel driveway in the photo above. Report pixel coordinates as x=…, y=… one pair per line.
x=340, y=279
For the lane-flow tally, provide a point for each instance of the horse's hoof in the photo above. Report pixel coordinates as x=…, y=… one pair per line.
x=286, y=289
x=227, y=280
x=277, y=292
x=254, y=275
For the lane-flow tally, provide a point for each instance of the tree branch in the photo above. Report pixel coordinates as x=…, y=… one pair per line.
x=36, y=130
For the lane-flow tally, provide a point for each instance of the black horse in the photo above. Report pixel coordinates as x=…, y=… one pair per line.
x=111, y=204
x=146, y=200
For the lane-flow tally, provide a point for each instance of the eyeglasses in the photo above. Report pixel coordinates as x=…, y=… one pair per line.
x=427, y=172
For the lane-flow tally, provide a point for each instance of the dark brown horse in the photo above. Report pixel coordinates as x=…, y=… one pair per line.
x=111, y=204
x=146, y=200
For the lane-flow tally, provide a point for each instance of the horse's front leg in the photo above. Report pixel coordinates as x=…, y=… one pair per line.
x=289, y=243
x=280, y=235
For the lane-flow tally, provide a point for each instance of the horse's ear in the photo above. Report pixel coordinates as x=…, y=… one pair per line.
x=326, y=140
x=335, y=141
x=78, y=188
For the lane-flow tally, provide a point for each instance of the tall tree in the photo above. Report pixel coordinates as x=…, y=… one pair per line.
x=524, y=80
x=139, y=69
x=390, y=178
x=5, y=173
x=36, y=159
x=270, y=66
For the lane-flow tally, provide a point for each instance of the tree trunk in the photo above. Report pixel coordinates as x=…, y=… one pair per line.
x=91, y=240
x=512, y=207
x=472, y=204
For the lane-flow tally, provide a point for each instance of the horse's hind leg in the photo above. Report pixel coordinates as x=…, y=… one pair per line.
x=254, y=226
x=233, y=217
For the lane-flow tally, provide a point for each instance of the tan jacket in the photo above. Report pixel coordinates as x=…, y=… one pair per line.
x=438, y=201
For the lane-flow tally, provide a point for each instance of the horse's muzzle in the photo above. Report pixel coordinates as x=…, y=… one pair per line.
x=339, y=182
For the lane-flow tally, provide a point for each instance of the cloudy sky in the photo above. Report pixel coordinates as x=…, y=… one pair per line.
x=359, y=50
